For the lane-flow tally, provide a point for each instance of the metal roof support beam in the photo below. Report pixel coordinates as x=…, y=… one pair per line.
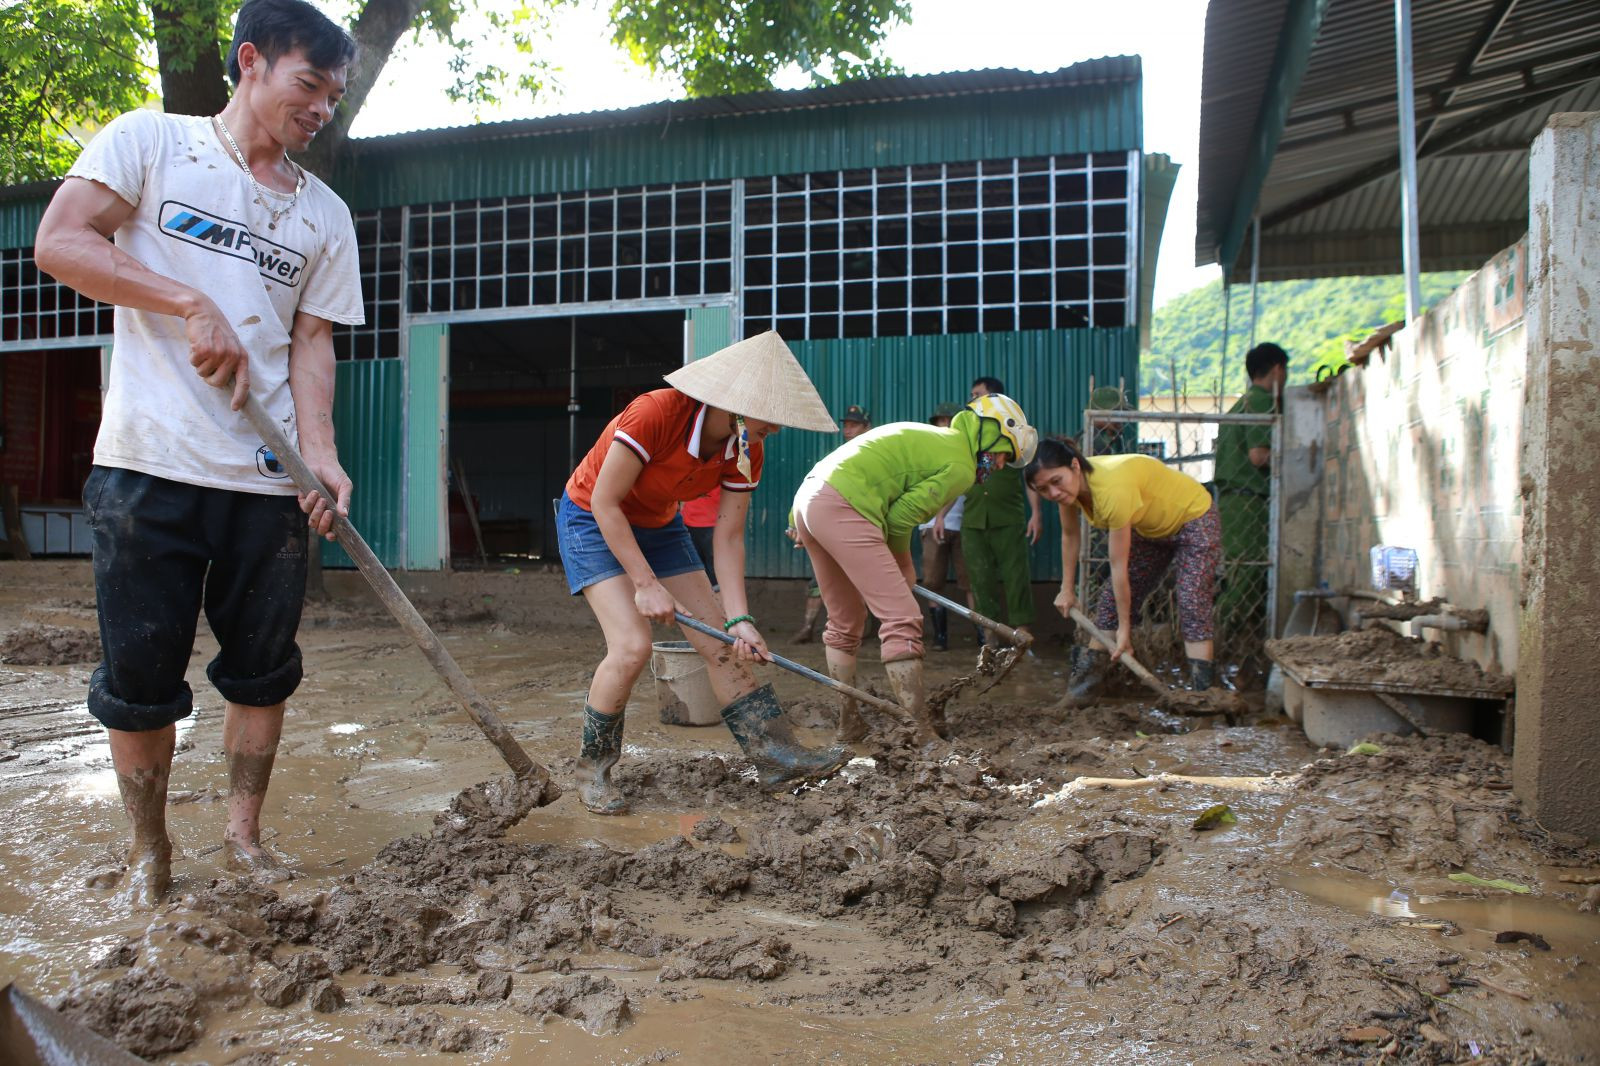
x=1410, y=239
x=1255, y=273
x=1440, y=108
x=1438, y=146
x=1521, y=69
x=1486, y=34
x=1301, y=22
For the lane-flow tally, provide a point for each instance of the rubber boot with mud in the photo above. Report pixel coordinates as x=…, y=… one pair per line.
x=1202, y=674
x=1089, y=669
x=808, y=629
x=851, y=728
x=602, y=746
x=940, y=617
x=905, y=677
x=758, y=723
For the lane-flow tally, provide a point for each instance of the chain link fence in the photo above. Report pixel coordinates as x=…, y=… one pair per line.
x=1244, y=613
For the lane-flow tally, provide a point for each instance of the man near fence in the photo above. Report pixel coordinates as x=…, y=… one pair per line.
x=1244, y=489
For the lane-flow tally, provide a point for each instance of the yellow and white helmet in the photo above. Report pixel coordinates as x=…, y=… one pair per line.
x=1007, y=416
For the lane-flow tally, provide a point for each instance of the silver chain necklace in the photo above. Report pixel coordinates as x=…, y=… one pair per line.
x=261, y=194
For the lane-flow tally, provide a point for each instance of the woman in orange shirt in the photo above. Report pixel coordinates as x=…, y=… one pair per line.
x=625, y=548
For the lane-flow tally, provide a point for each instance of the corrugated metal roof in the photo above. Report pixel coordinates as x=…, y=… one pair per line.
x=1107, y=70
x=1487, y=73
x=1090, y=107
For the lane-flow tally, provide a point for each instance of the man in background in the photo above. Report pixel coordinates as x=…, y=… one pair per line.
x=700, y=517
x=1109, y=434
x=1001, y=519
x=941, y=548
x=1244, y=489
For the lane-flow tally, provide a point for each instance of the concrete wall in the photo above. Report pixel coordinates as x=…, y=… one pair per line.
x=1557, y=760
x=1300, y=470
x=1421, y=451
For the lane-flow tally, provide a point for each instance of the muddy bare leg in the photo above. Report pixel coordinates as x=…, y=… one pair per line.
x=250, y=739
x=143, y=763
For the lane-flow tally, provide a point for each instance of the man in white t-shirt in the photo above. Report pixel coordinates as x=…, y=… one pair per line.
x=228, y=266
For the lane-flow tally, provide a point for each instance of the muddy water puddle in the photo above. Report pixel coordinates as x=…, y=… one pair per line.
x=1563, y=928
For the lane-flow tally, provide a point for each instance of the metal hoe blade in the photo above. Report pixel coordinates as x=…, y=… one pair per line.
x=996, y=665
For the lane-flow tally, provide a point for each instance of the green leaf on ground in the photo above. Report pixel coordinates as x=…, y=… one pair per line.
x=1141, y=734
x=1221, y=814
x=1500, y=883
x=1364, y=748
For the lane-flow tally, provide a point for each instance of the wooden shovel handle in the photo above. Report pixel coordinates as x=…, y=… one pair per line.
x=1111, y=645
x=383, y=583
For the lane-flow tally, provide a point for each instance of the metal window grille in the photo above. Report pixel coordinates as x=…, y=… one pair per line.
x=37, y=312
x=1244, y=605
x=1008, y=244
x=379, y=237
x=590, y=246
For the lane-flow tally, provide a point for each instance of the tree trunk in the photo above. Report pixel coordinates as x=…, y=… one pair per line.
x=193, y=81
x=377, y=30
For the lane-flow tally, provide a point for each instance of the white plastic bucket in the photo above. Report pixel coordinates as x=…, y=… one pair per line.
x=683, y=685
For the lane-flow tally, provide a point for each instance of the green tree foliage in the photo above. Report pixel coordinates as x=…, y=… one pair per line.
x=67, y=66
x=718, y=46
x=1311, y=319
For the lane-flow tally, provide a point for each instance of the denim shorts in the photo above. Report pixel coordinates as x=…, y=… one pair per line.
x=588, y=560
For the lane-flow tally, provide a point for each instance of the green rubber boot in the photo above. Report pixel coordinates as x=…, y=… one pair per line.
x=1202, y=674
x=602, y=746
x=1089, y=669
x=757, y=722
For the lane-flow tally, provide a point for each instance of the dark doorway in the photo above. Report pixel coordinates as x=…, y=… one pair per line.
x=49, y=415
x=513, y=439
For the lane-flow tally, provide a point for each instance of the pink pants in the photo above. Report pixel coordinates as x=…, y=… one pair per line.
x=856, y=571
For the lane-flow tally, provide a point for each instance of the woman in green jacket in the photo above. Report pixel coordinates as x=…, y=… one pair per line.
x=855, y=514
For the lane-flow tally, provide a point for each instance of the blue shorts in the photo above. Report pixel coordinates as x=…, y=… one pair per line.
x=588, y=560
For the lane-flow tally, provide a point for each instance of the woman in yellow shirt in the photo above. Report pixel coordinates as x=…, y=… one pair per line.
x=1158, y=518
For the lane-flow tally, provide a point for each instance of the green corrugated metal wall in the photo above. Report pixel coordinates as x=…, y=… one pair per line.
x=1084, y=118
x=427, y=392
x=367, y=418
x=710, y=330
x=902, y=379
x=19, y=221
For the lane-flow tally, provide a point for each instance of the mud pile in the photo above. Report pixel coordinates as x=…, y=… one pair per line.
x=1380, y=655
x=46, y=645
x=900, y=885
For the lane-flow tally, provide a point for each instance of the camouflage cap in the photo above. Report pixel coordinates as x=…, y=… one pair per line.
x=856, y=413
x=945, y=410
x=1109, y=398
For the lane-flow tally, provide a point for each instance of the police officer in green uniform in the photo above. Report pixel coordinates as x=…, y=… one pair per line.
x=1000, y=521
x=1110, y=434
x=1243, y=480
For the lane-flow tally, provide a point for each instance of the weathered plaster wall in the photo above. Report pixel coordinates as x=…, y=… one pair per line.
x=1421, y=451
x=1300, y=469
x=1557, y=761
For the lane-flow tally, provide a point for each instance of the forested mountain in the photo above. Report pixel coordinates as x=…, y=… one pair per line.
x=1310, y=319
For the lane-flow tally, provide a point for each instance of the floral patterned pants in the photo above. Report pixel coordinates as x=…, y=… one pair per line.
x=1195, y=552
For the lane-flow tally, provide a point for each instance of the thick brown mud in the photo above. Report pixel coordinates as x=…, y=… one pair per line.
x=978, y=908
x=1379, y=655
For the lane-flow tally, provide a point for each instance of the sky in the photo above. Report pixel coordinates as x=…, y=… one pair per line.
x=944, y=35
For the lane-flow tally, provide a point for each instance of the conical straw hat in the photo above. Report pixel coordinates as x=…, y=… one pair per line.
x=758, y=378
